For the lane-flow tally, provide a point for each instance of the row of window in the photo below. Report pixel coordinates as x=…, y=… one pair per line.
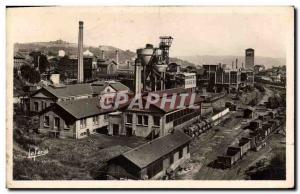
x=178, y=114
x=56, y=123
x=67, y=126
x=143, y=120
x=43, y=105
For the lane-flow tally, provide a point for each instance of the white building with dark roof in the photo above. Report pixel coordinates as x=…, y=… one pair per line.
x=48, y=95
x=74, y=118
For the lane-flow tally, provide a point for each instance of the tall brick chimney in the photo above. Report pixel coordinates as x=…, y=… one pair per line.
x=117, y=58
x=80, y=54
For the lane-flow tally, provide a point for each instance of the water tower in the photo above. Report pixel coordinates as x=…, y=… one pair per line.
x=154, y=62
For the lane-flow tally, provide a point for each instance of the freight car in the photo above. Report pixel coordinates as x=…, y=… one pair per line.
x=197, y=129
x=244, y=145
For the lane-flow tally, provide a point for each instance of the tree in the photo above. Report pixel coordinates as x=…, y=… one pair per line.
x=30, y=74
x=40, y=61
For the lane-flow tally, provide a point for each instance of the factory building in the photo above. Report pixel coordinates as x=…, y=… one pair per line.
x=159, y=119
x=249, y=59
x=217, y=78
x=47, y=95
x=152, y=160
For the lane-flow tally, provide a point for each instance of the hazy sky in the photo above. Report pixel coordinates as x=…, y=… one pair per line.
x=196, y=31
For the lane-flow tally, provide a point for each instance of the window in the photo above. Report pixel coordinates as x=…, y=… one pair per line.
x=140, y=119
x=188, y=149
x=156, y=120
x=42, y=105
x=36, y=106
x=67, y=126
x=56, y=122
x=46, y=121
x=106, y=117
x=171, y=158
x=95, y=120
x=82, y=123
x=180, y=153
x=145, y=120
x=129, y=118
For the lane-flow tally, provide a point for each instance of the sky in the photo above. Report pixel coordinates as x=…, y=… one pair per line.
x=196, y=30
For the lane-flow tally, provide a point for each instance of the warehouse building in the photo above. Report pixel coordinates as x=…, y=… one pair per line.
x=151, y=160
x=74, y=118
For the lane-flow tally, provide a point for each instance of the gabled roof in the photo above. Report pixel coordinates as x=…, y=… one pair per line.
x=148, y=153
x=19, y=55
x=69, y=90
x=83, y=108
x=85, y=89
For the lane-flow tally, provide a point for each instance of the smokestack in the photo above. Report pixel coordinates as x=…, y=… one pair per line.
x=102, y=54
x=117, y=58
x=236, y=63
x=138, y=77
x=80, y=53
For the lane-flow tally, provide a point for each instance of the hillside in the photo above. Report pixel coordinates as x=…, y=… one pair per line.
x=52, y=48
x=209, y=59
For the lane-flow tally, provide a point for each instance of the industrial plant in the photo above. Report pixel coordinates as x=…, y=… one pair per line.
x=166, y=119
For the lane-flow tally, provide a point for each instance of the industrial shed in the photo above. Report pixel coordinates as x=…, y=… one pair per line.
x=151, y=160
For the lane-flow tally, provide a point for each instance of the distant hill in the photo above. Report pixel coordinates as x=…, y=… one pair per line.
x=52, y=48
x=209, y=59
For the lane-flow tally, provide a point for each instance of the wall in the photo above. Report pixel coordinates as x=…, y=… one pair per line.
x=90, y=126
x=63, y=132
x=177, y=162
x=46, y=101
x=141, y=130
x=115, y=119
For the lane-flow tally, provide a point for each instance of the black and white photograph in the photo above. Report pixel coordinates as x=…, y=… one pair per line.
x=150, y=97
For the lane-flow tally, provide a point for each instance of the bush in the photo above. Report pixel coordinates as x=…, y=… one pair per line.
x=37, y=170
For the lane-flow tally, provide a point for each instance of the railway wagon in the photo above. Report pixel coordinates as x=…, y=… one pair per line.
x=256, y=124
x=225, y=161
x=245, y=145
x=267, y=127
x=275, y=123
x=252, y=140
x=234, y=153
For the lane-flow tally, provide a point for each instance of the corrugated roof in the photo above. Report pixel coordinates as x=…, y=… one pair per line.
x=168, y=94
x=83, y=107
x=147, y=153
x=70, y=90
x=118, y=86
x=83, y=89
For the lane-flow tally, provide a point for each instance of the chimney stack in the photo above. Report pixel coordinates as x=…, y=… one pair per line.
x=80, y=53
x=236, y=63
x=102, y=54
x=117, y=58
x=138, y=76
